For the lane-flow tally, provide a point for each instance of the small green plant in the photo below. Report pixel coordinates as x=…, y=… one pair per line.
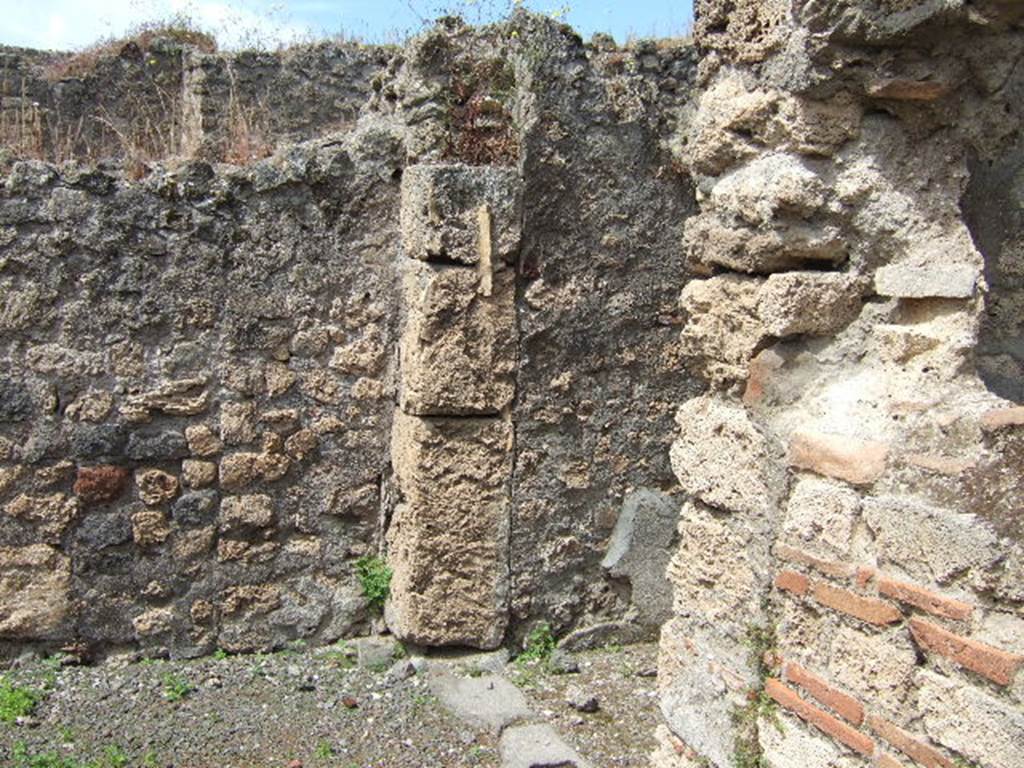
x=176, y=687
x=16, y=701
x=114, y=757
x=375, y=578
x=763, y=654
x=150, y=760
x=324, y=751
x=540, y=644
x=220, y=654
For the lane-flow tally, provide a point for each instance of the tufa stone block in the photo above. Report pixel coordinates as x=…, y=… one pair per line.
x=449, y=536
x=35, y=583
x=458, y=346
x=441, y=208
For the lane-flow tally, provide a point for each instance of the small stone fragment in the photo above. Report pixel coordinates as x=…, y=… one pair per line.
x=202, y=441
x=156, y=486
x=581, y=700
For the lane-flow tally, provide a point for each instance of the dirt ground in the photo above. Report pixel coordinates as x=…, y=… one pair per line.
x=309, y=708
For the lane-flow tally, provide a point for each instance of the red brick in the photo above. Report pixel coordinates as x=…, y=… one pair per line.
x=867, y=609
x=859, y=462
x=998, y=666
x=842, y=704
x=789, y=699
x=885, y=760
x=919, y=752
x=924, y=599
x=864, y=576
x=1003, y=417
x=791, y=581
x=101, y=483
x=827, y=567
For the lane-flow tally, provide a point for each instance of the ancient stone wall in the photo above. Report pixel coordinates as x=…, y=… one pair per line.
x=444, y=333
x=848, y=584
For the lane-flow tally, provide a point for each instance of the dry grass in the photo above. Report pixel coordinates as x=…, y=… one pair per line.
x=136, y=43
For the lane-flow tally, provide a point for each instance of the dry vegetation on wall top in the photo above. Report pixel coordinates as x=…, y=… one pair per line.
x=180, y=30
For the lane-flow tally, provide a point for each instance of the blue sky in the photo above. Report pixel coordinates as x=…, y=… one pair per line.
x=68, y=24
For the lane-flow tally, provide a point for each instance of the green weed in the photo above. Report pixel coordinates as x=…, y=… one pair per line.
x=176, y=687
x=540, y=644
x=16, y=701
x=375, y=578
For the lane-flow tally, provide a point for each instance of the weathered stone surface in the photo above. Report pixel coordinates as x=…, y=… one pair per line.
x=52, y=513
x=929, y=544
x=101, y=483
x=237, y=470
x=640, y=550
x=816, y=303
x=537, y=746
x=156, y=486
x=721, y=458
x=157, y=446
x=197, y=508
x=821, y=515
x=972, y=722
x=440, y=212
x=34, y=591
x=198, y=474
x=237, y=423
x=926, y=282
x=202, y=441
x=488, y=701
x=723, y=329
x=149, y=527
x=240, y=512
x=458, y=344
x=449, y=535
x=699, y=691
x=719, y=574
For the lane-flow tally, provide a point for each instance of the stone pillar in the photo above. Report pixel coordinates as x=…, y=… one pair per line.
x=452, y=440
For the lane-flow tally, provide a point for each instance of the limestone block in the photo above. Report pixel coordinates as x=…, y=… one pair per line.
x=730, y=116
x=721, y=458
x=448, y=540
x=713, y=241
x=458, y=347
x=925, y=282
x=979, y=726
x=35, y=586
x=237, y=423
x=722, y=329
x=441, y=208
x=719, y=575
x=768, y=188
x=929, y=544
x=816, y=303
x=820, y=517
x=149, y=527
